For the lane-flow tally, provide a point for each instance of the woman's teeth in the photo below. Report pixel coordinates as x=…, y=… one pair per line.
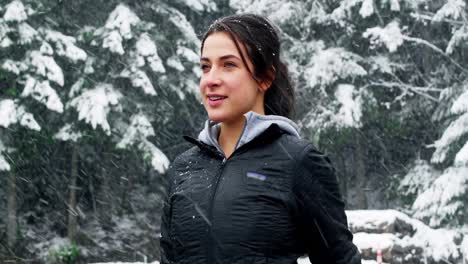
x=216, y=98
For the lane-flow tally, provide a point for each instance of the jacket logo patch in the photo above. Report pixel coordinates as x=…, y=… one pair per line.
x=255, y=175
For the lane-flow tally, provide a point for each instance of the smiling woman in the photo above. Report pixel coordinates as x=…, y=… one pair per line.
x=227, y=87
x=251, y=190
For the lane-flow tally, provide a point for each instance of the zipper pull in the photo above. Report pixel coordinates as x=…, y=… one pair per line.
x=224, y=161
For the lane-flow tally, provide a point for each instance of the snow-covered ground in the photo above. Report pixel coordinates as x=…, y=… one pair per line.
x=400, y=238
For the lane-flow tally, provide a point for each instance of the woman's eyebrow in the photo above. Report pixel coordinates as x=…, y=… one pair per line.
x=225, y=57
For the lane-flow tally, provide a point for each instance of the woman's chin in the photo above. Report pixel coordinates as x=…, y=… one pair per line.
x=216, y=117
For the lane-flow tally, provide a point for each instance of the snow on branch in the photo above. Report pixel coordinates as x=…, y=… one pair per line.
x=65, y=45
x=175, y=63
x=113, y=41
x=367, y=8
x=429, y=16
x=350, y=113
x=40, y=63
x=66, y=133
x=5, y=41
x=46, y=66
x=461, y=158
x=139, y=129
x=139, y=79
x=94, y=105
x=460, y=105
x=15, y=11
x=117, y=28
x=122, y=19
x=26, y=33
x=46, y=48
x=435, y=48
x=201, y=5
x=407, y=89
x=11, y=113
x=147, y=51
x=419, y=178
x=443, y=199
x=188, y=54
x=455, y=130
x=390, y=36
x=277, y=10
x=4, y=165
x=329, y=65
x=76, y=87
x=181, y=22
x=459, y=38
x=145, y=46
x=43, y=93
x=159, y=160
x=454, y=9
x=343, y=11
x=384, y=64
x=14, y=66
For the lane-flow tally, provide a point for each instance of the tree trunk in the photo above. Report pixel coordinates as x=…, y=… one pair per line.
x=72, y=211
x=360, y=171
x=343, y=179
x=125, y=206
x=12, y=227
x=107, y=200
x=127, y=184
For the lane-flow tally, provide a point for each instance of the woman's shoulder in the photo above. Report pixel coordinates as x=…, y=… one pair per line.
x=294, y=144
x=179, y=163
x=304, y=153
x=186, y=156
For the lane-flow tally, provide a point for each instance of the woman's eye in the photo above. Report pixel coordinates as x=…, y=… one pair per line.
x=204, y=67
x=229, y=64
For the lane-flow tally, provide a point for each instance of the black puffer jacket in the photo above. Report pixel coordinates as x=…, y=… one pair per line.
x=274, y=199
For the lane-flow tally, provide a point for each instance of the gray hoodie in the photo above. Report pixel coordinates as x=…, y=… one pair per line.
x=255, y=124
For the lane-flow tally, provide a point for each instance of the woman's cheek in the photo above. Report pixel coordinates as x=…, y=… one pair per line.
x=202, y=88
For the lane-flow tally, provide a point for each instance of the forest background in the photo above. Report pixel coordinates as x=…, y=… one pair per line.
x=96, y=95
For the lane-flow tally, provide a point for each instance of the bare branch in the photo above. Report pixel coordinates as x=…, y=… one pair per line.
x=429, y=16
x=409, y=88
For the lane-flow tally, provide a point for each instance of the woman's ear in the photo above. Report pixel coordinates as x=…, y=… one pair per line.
x=266, y=82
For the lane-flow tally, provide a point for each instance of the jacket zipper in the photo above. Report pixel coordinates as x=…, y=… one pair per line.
x=223, y=164
x=218, y=178
x=211, y=255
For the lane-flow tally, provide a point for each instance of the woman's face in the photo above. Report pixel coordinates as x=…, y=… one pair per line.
x=227, y=88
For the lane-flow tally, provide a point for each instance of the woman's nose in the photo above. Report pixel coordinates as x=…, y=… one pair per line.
x=213, y=78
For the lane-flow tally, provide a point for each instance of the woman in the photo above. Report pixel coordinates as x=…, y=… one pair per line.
x=251, y=190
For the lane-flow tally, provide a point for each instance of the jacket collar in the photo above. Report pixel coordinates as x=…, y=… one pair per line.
x=268, y=135
x=256, y=126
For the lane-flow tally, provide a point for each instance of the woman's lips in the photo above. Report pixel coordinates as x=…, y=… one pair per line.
x=215, y=99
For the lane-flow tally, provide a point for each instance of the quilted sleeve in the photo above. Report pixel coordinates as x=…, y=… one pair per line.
x=322, y=218
x=166, y=246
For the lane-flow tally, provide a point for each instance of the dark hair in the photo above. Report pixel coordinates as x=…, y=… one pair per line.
x=261, y=41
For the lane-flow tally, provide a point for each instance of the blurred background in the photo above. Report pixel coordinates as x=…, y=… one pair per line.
x=96, y=95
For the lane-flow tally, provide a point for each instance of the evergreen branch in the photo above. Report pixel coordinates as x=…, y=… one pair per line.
x=435, y=48
x=430, y=16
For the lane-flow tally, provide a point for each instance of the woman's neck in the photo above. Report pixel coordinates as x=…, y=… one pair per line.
x=230, y=134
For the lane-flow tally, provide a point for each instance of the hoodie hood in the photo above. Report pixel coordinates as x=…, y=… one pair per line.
x=255, y=125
